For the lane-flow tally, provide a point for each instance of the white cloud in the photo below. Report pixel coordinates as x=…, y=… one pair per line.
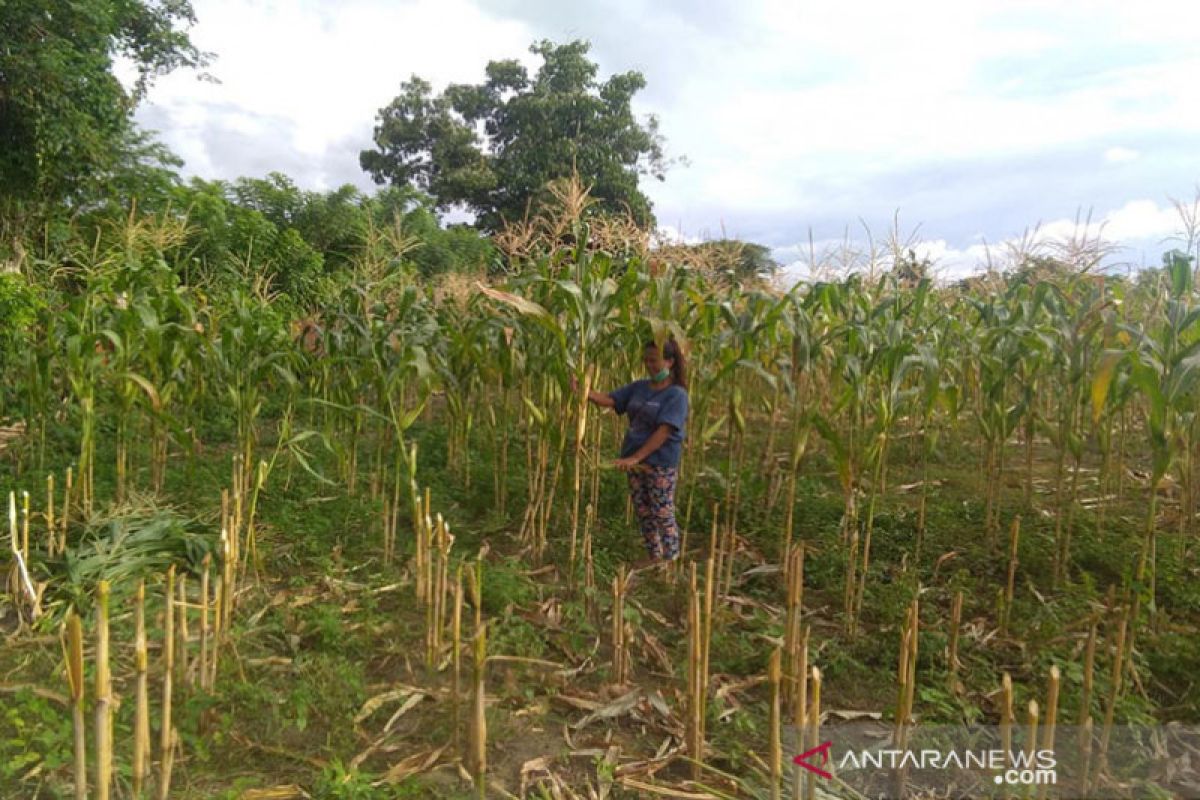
x=1120, y=155
x=836, y=258
x=788, y=110
x=913, y=85
x=1135, y=220
x=668, y=234
x=324, y=70
x=951, y=263
x=1131, y=227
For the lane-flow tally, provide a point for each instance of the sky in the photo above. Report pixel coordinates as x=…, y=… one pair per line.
x=815, y=128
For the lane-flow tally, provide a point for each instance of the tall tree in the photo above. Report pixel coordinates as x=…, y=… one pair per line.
x=64, y=117
x=492, y=147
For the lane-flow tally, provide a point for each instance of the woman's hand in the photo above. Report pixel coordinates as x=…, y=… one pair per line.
x=598, y=398
x=627, y=464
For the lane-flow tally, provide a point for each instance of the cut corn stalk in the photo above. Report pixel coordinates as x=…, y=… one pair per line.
x=774, y=748
x=814, y=726
x=1014, y=538
x=479, y=719
x=1114, y=693
x=1089, y=662
x=165, y=740
x=104, y=699
x=74, y=660
x=51, y=533
x=620, y=657
x=141, y=727
x=202, y=669
x=952, y=650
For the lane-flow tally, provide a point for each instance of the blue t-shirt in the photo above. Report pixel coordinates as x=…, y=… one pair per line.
x=647, y=409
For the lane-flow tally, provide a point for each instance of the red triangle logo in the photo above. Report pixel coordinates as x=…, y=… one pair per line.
x=823, y=749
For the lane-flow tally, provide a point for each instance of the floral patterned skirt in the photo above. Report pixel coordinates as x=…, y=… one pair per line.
x=653, y=493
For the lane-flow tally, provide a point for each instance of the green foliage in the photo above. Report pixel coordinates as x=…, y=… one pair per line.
x=64, y=117
x=504, y=586
x=537, y=128
x=294, y=241
x=735, y=650
x=944, y=707
x=331, y=223
x=324, y=628
x=516, y=636
x=20, y=304
x=122, y=549
x=152, y=339
x=231, y=244
x=36, y=735
x=336, y=782
x=458, y=248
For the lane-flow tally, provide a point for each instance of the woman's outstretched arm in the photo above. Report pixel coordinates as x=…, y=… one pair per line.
x=599, y=398
x=656, y=440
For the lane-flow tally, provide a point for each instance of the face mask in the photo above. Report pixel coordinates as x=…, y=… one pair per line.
x=661, y=376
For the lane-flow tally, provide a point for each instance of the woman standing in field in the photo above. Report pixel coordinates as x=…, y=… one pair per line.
x=657, y=409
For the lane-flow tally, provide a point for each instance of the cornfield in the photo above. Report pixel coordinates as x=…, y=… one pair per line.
x=896, y=496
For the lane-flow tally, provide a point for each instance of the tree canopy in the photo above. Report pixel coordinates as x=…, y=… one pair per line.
x=493, y=147
x=745, y=262
x=65, y=122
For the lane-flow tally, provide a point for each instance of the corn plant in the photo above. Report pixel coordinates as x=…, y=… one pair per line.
x=1076, y=322
x=1007, y=334
x=1165, y=368
x=248, y=357
x=891, y=361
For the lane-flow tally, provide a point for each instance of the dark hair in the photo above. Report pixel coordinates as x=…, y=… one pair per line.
x=673, y=351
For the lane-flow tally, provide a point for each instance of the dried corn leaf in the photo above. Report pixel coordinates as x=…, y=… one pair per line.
x=848, y=715
x=659, y=704
x=908, y=487
x=270, y=661
x=656, y=652
x=404, y=709
x=378, y=701
x=46, y=694
x=726, y=690
x=649, y=612
x=762, y=569
x=499, y=789
x=617, y=708
x=748, y=602
x=413, y=765
x=665, y=791
x=531, y=767
x=646, y=768
x=942, y=559
x=551, y=612
x=540, y=662
x=520, y=304
x=289, y=791
x=588, y=752
x=582, y=703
